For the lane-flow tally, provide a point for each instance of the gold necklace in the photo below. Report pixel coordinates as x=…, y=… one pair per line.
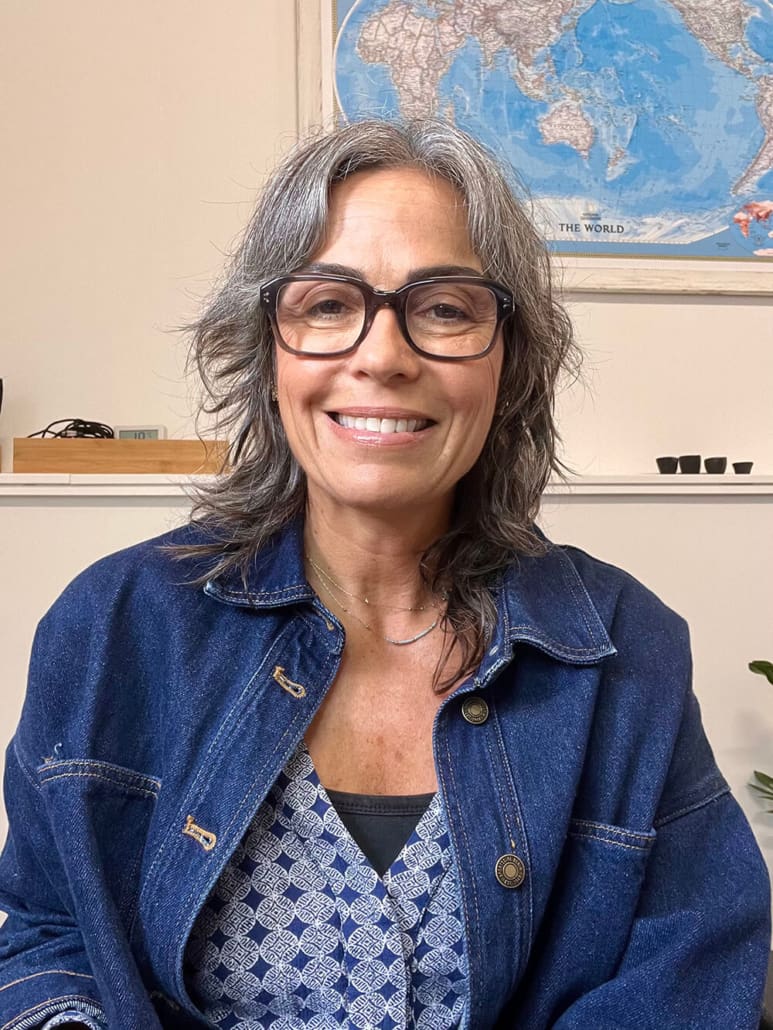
x=365, y=600
x=389, y=640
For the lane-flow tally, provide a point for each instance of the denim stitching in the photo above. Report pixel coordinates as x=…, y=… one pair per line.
x=291, y=593
x=529, y=636
x=105, y=779
x=295, y=593
x=570, y=582
x=505, y=622
x=465, y=841
x=606, y=840
x=608, y=828
x=42, y=1005
x=152, y=782
x=693, y=807
x=502, y=799
x=711, y=785
x=46, y=972
x=521, y=828
x=585, y=829
x=28, y=774
x=464, y=834
x=580, y=594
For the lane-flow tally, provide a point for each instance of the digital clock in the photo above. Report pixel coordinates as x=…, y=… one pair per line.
x=140, y=432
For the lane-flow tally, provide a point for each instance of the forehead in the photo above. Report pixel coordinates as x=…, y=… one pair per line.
x=396, y=218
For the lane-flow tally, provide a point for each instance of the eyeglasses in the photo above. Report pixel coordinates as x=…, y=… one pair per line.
x=448, y=318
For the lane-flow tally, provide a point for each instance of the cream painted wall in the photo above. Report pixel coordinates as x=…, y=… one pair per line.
x=135, y=137
x=670, y=375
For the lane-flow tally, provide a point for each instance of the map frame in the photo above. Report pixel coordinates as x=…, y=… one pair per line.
x=316, y=106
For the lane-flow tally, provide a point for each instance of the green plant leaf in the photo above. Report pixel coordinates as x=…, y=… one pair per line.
x=764, y=786
x=763, y=668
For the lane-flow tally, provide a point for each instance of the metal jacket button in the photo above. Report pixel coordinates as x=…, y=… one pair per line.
x=475, y=710
x=510, y=871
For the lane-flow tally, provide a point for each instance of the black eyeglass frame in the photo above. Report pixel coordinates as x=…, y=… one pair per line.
x=377, y=299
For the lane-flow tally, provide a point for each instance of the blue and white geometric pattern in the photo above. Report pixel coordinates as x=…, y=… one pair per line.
x=300, y=932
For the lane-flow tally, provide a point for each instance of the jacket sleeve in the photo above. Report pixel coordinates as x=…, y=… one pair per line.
x=698, y=949
x=44, y=969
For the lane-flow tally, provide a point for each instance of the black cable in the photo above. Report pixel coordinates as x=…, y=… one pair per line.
x=79, y=428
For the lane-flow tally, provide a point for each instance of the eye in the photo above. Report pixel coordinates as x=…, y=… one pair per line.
x=444, y=312
x=328, y=306
x=320, y=304
x=451, y=306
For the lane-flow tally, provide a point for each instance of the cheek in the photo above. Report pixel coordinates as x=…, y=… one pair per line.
x=483, y=391
x=295, y=384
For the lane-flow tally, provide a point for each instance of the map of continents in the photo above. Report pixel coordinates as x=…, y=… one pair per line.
x=641, y=127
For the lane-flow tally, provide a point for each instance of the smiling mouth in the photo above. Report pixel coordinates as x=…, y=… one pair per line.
x=381, y=425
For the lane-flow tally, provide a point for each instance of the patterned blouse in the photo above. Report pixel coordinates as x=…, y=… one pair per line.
x=300, y=932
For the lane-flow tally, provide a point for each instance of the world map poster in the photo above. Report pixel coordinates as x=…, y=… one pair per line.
x=639, y=127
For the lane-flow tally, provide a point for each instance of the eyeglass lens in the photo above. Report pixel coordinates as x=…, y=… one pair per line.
x=318, y=316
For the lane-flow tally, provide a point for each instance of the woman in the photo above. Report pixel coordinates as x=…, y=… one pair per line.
x=396, y=760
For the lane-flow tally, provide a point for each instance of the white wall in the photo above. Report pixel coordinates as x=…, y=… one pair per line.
x=134, y=139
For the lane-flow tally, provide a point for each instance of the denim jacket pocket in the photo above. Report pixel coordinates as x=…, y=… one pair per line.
x=104, y=811
x=592, y=906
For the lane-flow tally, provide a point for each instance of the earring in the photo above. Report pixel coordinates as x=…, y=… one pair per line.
x=274, y=394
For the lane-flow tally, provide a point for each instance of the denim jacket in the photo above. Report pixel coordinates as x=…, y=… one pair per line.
x=158, y=716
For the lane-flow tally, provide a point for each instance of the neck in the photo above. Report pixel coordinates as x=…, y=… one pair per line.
x=374, y=556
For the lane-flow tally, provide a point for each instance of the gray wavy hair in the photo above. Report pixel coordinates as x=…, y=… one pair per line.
x=262, y=487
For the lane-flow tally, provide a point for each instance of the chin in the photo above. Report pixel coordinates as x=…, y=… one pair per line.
x=378, y=499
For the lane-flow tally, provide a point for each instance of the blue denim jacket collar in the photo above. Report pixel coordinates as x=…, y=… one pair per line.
x=541, y=600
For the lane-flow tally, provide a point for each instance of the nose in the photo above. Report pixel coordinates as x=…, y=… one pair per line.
x=385, y=353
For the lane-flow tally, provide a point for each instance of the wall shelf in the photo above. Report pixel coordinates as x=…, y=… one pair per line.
x=70, y=485
x=664, y=486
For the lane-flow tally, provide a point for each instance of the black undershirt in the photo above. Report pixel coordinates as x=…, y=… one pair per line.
x=380, y=823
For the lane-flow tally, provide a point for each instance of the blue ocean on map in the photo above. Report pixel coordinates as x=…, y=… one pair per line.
x=639, y=139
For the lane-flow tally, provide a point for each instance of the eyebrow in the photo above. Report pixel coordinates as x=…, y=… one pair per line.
x=414, y=274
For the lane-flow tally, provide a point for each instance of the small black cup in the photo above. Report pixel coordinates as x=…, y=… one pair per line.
x=743, y=468
x=667, y=465
x=715, y=465
x=690, y=463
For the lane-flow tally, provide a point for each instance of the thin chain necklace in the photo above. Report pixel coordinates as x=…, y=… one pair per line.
x=390, y=640
x=365, y=600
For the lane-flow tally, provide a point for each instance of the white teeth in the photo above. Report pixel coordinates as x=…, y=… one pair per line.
x=383, y=425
